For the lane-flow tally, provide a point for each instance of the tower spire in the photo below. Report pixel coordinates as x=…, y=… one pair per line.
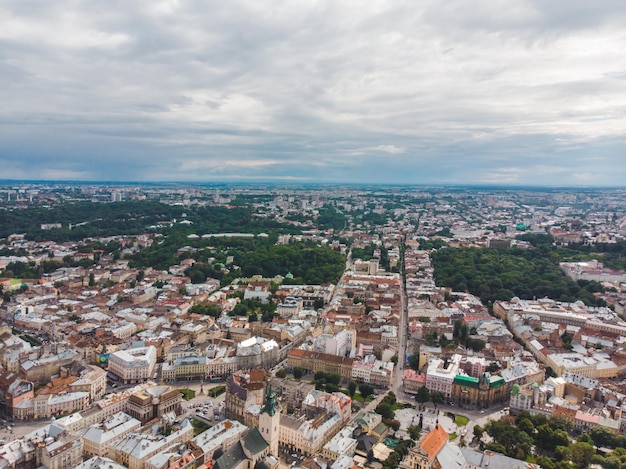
x=271, y=405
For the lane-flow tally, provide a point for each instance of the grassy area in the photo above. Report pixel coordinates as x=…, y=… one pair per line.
x=199, y=426
x=216, y=391
x=188, y=394
x=461, y=420
x=452, y=436
x=358, y=398
x=400, y=405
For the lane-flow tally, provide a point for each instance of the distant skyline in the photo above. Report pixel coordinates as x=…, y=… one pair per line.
x=504, y=92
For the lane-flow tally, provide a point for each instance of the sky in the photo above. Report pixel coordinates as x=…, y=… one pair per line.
x=505, y=92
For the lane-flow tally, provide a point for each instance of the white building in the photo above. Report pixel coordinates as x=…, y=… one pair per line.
x=440, y=377
x=338, y=344
x=134, y=365
x=134, y=449
x=220, y=436
x=257, y=352
x=96, y=438
x=342, y=444
x=307, y=436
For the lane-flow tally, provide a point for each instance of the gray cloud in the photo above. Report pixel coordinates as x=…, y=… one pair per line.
x=508, y=91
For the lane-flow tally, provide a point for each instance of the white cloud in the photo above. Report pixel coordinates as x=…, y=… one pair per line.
x=491, y=88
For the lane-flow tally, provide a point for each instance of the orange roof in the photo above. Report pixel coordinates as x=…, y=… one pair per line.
x=434, y=441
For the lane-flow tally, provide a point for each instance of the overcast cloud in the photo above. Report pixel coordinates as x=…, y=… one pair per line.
x=455, y=91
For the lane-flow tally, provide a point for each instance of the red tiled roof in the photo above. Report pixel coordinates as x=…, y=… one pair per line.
x=434, y=441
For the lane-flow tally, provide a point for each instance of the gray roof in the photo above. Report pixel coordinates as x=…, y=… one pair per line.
x=254, y=442
x=231, y=458
x=250, y=447
x=493, y=460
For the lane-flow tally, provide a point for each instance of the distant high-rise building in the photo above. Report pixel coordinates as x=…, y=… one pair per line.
x=116, y=196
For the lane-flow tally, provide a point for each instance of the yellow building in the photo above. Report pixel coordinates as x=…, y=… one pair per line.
x=479, y=393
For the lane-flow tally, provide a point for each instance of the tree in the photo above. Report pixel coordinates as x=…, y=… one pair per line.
x=560, y=423
x=365, y=390
x=92, y=280
x=478, y=432
x=281, y=373
x=493, y=367
x=352, y=388
x=298, y=372
x=545, y=437
x=456, y=332
x=393, y=424
x=414, y=432
x=385, y=409
x=464, y=333
x=526, y=426
x=609, y=462
x=581, y=454
x=545, y=462
x=496, y=447
x=240, y=309
x=330, y=387
x=602, y=436
x=516, y=442
x=207, y=309
x=561, y=453
x=436, y=397
x=414, y=362
x=422, y=395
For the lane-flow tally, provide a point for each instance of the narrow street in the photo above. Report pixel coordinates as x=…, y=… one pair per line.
x=402, y=340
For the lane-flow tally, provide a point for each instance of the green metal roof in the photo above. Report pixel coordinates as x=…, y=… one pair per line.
x=496, y=381
x=254, y=442
x=462, y=380
x=271, y=405
x=466, y=381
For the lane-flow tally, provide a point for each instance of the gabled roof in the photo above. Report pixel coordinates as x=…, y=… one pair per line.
x=254, y=442
x=250, y=447
x=231, y=458
x=434, y=441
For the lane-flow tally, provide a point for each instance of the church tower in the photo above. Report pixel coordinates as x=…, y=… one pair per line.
x=269, y=421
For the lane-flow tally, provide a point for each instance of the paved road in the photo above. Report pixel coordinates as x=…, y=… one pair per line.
x=411, y=416
x=402, y=339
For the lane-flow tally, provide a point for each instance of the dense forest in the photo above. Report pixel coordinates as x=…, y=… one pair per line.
x=547, y=442
x=306, y=262
x=493, y=274
x=88, y=219
x=92, y=219
x=327, y=217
